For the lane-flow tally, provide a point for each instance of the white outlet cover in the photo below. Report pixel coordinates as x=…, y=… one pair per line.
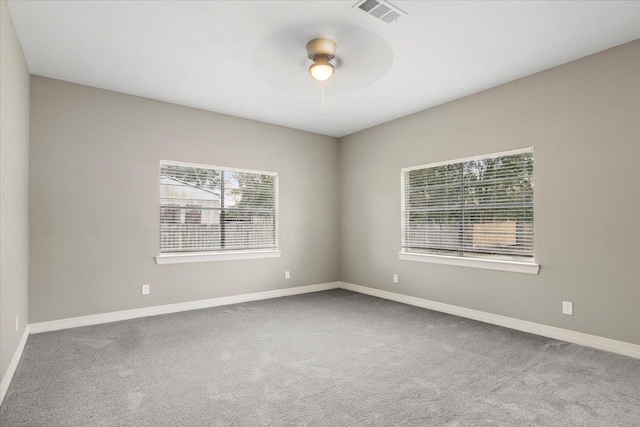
x=395, y=278
x=145, y=289
x=287, y=275
x=567, y=308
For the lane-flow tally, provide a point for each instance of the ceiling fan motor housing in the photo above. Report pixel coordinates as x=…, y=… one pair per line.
x=321, y=50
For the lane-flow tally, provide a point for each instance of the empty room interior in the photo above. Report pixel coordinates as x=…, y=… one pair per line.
x=320, y=213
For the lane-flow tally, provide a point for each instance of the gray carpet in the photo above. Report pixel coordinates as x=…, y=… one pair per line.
x=325, y=359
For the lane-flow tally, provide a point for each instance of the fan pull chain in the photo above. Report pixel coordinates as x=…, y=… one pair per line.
x=322, y=102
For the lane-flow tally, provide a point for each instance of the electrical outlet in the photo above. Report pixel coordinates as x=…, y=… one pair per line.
x=395, y=278
x=145, y=290
x=567, y=308
x=17, y=322
x=287, y=275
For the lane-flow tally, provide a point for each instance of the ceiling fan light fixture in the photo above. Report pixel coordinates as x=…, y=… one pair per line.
x=321, y=70
x=321, y=51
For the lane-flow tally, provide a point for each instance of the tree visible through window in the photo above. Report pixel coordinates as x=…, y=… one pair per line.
x=479, y=207
x=205, y=209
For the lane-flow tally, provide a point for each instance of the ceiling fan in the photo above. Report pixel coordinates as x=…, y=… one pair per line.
x=321, y=51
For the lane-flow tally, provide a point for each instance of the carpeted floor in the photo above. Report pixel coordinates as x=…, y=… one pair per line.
x=324, y=359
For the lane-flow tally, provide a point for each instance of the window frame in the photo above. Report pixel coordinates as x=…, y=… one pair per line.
x=518, y=266
x=222, y=255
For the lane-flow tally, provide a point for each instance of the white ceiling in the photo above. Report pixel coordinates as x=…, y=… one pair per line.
x=248, y=59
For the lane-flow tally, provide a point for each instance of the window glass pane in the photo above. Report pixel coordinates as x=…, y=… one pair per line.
x=479, y=208
x=214, y=209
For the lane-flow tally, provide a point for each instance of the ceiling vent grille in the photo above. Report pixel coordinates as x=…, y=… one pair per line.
x=380, y=10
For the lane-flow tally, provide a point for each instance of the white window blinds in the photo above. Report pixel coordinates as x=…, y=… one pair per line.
x=206, y=208
x=478, y=207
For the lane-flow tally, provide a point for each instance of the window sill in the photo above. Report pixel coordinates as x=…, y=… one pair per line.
x=490, y=264
x=215, y=256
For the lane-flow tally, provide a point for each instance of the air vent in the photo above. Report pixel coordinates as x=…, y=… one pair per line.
x=380, y=10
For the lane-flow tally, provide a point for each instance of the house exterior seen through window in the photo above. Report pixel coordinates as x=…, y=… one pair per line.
x=214, y=209
x=478, y=207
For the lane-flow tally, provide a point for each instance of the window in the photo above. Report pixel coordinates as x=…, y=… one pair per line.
x=478, y=210
x=211, y=213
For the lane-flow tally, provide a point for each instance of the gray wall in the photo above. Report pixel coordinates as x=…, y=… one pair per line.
x=583, y=119
x=95, y=192
x=14, y=183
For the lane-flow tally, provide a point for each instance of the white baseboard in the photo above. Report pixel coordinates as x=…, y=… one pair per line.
x=115, y=316
x=614, y=346
x=6, y=381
